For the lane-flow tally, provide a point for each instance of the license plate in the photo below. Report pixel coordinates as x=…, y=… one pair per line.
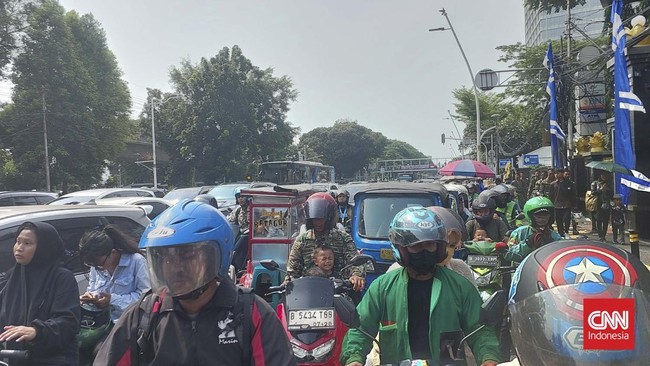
x=386, y=254
x=482, y=260
x=310, y=319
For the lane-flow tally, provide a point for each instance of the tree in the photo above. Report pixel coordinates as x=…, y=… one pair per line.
x=340, y=145
x=229, y=115
x=551, y=5
x=396, y=149
x=65, y=63
x=12, y=21
x=518, y=128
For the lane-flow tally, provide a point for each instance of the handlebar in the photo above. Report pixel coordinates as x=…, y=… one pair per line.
x=13, y=353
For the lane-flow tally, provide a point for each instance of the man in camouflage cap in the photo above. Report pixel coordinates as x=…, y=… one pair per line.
x=320, y=211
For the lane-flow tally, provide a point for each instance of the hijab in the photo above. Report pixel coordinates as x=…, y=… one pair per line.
x=28, y=285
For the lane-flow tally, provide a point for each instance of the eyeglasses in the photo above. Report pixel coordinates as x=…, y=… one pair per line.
x=98, y=266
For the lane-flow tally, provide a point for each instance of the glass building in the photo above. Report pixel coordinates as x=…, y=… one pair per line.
x=543, y=27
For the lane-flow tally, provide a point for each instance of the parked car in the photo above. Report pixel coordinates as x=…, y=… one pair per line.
x=89, y=196
x=16, y=198
x=225, y=193
x=153, y=206
x=375, y=206
x=179, y=194
x=71, y=222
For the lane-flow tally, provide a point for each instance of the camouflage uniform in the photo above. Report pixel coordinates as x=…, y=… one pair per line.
x=302, y=253
x=239, y=217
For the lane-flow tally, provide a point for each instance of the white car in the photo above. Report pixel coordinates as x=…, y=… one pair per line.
x=90, y=196
x=153, y=206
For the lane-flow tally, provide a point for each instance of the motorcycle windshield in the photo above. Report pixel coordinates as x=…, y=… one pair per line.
x=548, y=329
x=309, y=293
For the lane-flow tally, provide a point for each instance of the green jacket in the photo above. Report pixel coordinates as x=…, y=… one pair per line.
x=455, y=305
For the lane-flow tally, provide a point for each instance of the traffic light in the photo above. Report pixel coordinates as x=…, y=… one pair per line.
x=443, y=138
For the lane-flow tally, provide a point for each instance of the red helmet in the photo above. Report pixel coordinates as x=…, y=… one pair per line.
x=321, y=205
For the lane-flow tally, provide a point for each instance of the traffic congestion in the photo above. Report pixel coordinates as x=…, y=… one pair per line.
x=278, y=183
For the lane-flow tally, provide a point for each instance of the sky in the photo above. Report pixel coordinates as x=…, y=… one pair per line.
x=370, y=61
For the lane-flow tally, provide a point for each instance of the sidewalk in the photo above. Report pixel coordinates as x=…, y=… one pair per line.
x=584, y=230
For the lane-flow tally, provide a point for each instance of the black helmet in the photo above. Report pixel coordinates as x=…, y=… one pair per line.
x=547, y=302
x=504, y=195
x=206, y=198
x=321, y=206
x=486, y=199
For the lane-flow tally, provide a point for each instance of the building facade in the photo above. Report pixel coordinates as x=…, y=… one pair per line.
x=543, y=27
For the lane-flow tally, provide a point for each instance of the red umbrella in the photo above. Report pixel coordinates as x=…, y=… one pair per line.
x=467, y=168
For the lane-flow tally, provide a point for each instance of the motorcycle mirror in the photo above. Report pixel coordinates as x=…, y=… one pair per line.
x=269, y=264
x=346, y=311
x=358, y=260
x=492, y=308
x=362, y=259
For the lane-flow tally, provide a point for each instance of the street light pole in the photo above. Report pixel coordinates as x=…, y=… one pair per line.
x=471, y=75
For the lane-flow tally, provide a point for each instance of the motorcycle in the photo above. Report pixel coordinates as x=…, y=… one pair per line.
x=95, y=324
x=308, y=316
x=486, y=260
x=11, y=354
x=452, y=344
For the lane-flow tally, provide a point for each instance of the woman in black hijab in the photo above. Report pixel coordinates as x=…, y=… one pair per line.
x=40, y=308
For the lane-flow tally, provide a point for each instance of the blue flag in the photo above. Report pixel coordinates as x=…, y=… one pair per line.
x=554, y=128
x=624, y=101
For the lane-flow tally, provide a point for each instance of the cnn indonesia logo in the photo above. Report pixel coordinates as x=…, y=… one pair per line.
x=608, y=324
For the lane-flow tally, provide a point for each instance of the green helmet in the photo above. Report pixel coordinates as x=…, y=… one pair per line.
x=535, y=204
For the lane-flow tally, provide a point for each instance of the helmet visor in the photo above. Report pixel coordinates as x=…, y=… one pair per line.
x=547, y=328
x=181, y=269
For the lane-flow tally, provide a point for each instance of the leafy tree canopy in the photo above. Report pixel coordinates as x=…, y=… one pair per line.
x=396, y=149
x=65, y=64
x=226, y=116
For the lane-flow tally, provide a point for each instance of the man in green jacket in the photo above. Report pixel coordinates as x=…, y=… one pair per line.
x=411, y=307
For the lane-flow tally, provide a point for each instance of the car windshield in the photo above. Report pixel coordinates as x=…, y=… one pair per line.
x=181, y=194
x=225, y=192
x=72, y=200
x=377, y=212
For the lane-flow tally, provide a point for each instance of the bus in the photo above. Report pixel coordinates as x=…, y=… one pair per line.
x=296, y=172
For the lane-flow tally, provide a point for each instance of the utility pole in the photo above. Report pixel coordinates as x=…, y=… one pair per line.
x=47, y=155
x=569, y=140
x=153, y=144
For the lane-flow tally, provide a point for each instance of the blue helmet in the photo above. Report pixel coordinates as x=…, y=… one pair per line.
x=237, y=192
x=188, y=246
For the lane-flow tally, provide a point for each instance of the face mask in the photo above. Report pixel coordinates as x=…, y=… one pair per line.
x=424, y=262
x=484, y=220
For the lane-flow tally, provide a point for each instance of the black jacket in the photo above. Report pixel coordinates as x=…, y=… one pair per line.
x=44, y=295
x=178, y=339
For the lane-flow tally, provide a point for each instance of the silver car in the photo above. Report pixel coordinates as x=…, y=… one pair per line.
x=71, y=222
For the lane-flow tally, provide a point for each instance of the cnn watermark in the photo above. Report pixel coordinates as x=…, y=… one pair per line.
x=608, y=324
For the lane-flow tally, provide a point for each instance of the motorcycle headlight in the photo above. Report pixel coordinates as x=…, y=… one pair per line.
x=323, y=350
x=482, y=280
x=299, y=353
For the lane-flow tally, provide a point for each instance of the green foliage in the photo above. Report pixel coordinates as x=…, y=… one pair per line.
x=65, y=61
x=347, y=146
x=396, y=149
x=519, y=129
x=551, y=5
x=229, y=115
x=12, y=21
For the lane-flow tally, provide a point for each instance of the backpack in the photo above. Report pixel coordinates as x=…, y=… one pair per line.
x=243, y=323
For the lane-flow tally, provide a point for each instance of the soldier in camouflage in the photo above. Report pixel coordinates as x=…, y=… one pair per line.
x=320, y=210
x=240, y=215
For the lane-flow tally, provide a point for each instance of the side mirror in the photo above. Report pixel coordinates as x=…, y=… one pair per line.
x=269, y=264
x=347, y=312
x=492, y=309
x=361, y=259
